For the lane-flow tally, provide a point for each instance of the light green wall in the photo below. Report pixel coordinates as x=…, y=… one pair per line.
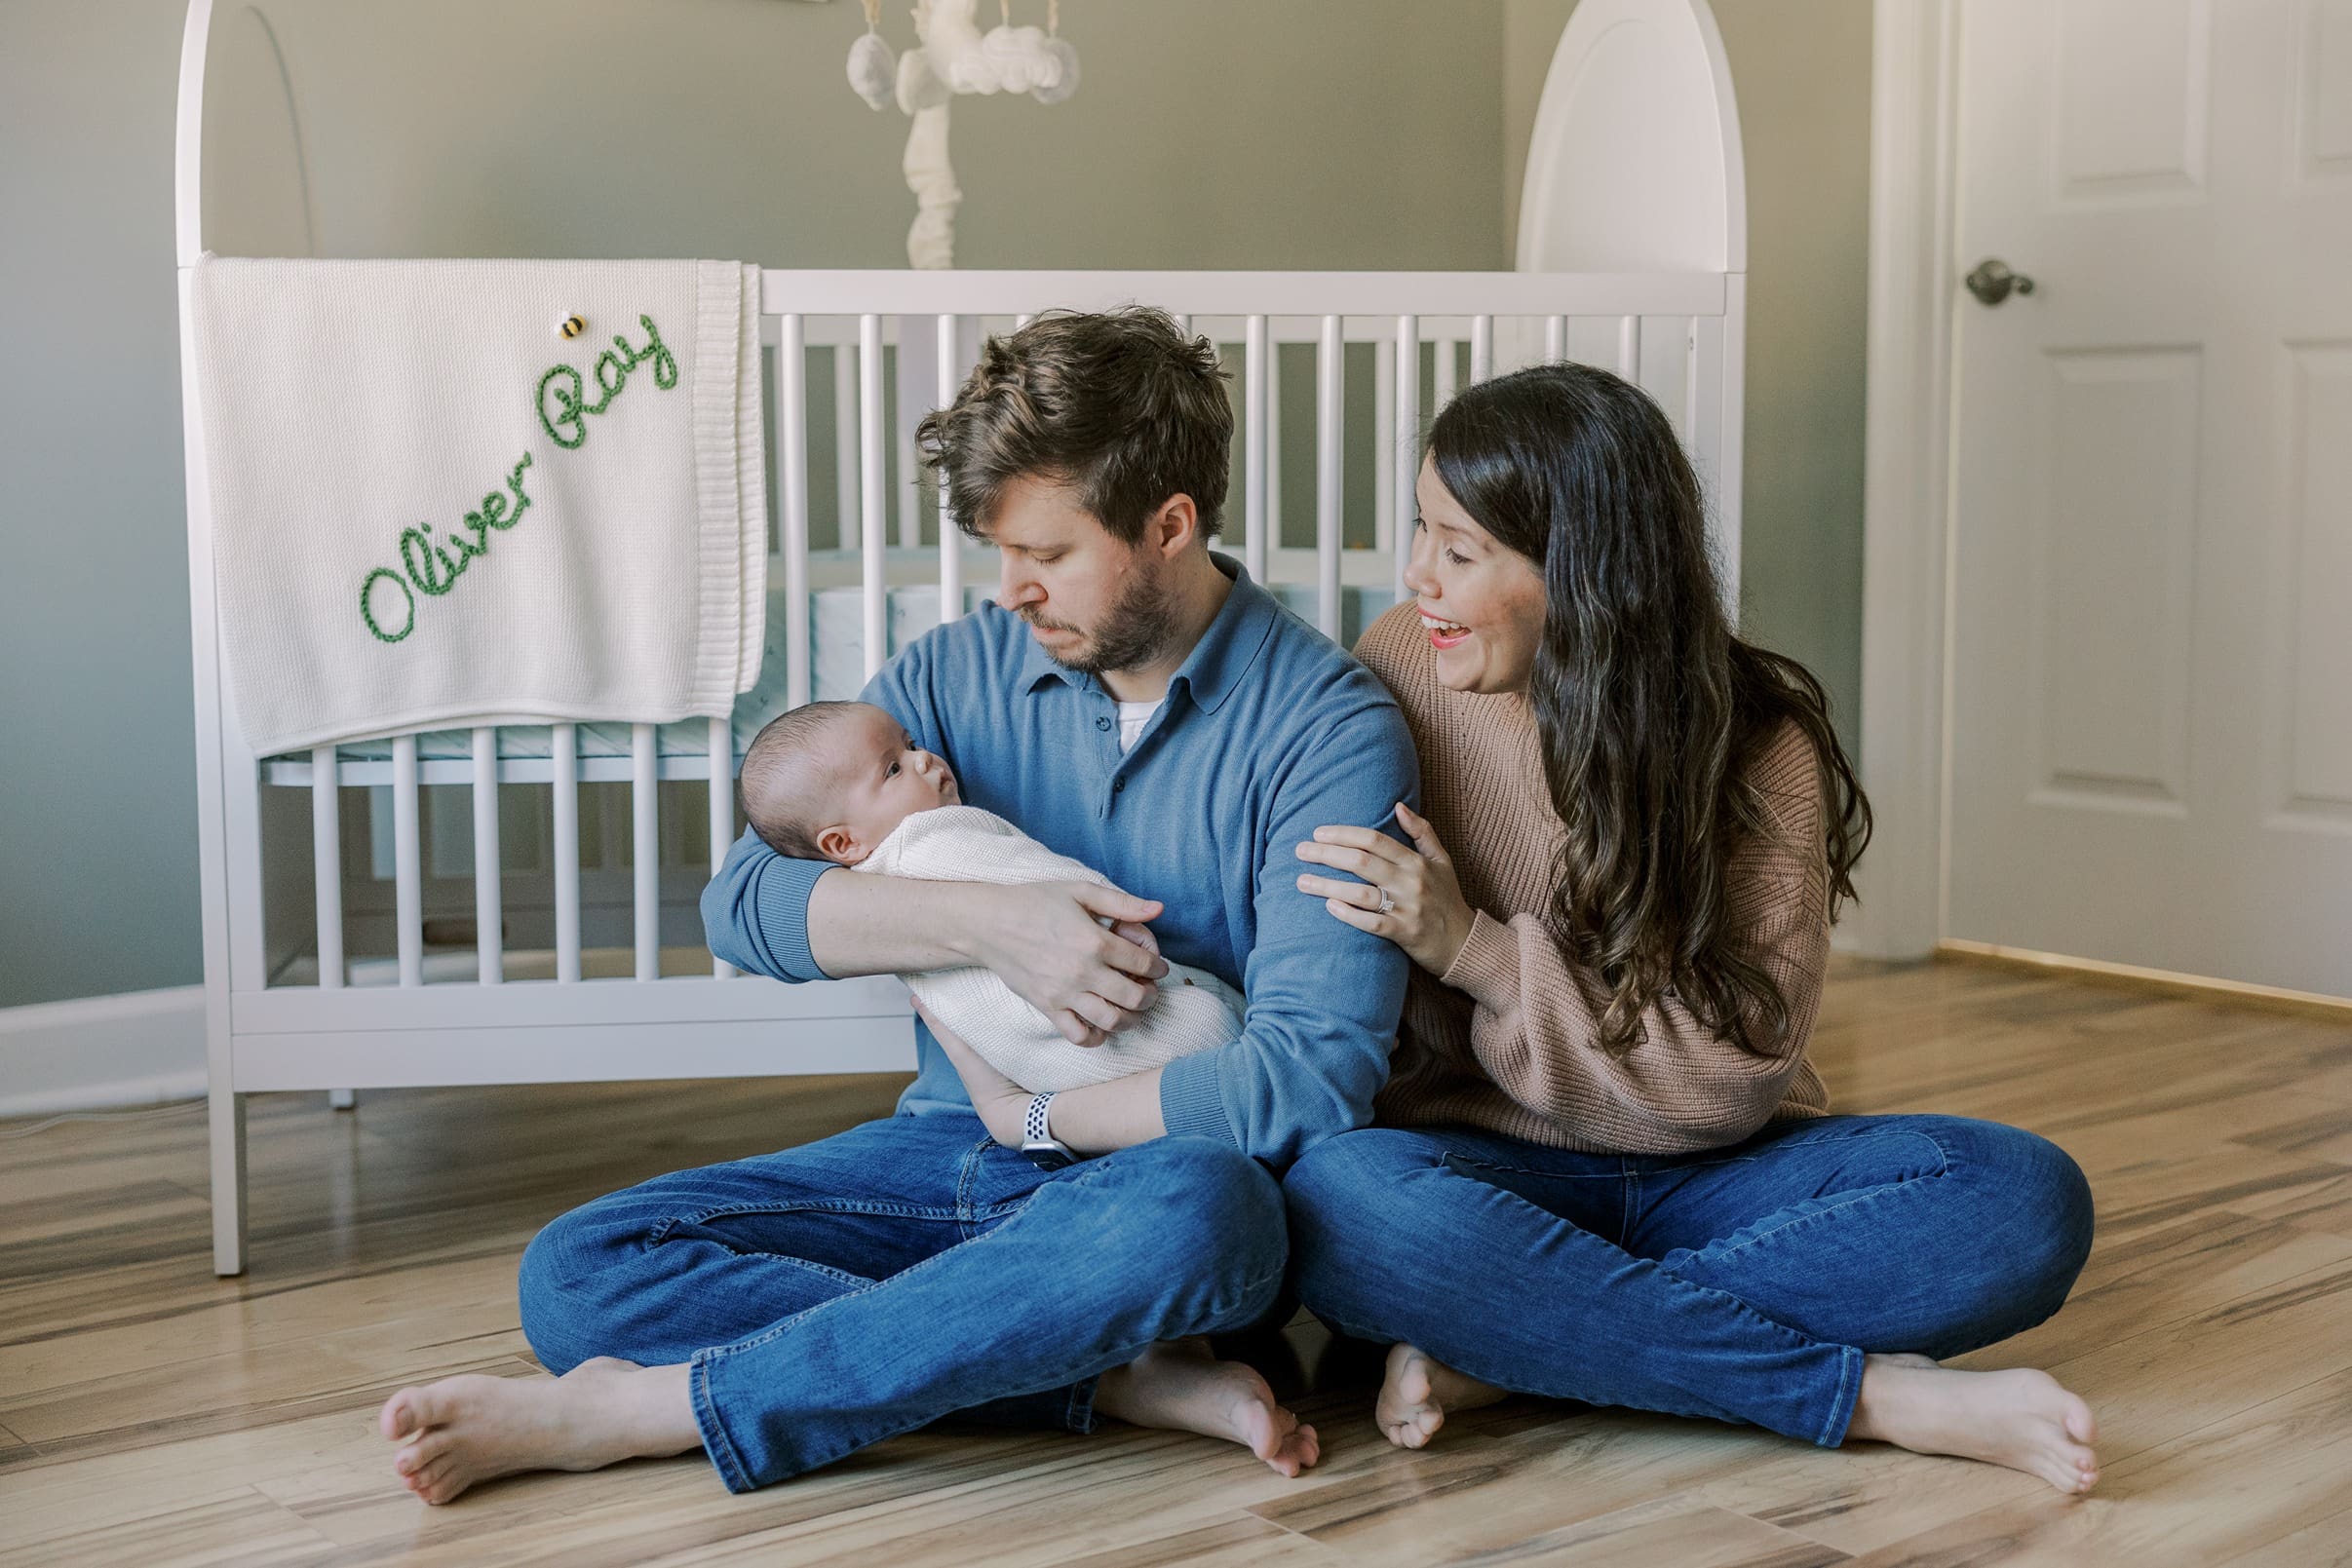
x=1801, y=72
x=1310, y=133
x=1205, y=134
x=98, y=776
x=1335, y=134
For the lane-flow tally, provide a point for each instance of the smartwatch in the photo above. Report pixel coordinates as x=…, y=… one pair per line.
x=1037, y=1140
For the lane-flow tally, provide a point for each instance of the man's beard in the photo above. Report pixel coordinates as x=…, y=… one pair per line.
x=1135, y=630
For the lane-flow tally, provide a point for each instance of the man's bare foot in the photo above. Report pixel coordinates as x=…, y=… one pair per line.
x=1418, y=1391
x=2020, y=1418
x=464, y=1429
x=1180, y=1385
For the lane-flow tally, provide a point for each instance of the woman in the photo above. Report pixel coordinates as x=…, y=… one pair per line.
x=1604, y=1168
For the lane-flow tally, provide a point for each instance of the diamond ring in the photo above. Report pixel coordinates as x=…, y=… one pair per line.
x=1388, y=902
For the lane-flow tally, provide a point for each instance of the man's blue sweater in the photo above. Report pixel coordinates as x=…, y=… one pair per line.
x=1268, y=733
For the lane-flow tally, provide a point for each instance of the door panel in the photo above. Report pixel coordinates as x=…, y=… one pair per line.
x=2152, y=658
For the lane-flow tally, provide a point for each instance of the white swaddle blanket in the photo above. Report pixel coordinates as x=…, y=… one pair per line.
x=1196, y=1011
x=447, y=493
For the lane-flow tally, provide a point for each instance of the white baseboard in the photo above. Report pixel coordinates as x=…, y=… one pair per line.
x=137, y=1049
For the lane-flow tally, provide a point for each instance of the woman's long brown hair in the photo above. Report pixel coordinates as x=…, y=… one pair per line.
x=1650, y=710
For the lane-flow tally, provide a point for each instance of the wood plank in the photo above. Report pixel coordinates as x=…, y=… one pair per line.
x=149, y=1411
x=1679, y=1529
x=232, y=1530
x=2225, y=1490
x=1240, y=1541
x=466, y=1295
x=2159, y=1385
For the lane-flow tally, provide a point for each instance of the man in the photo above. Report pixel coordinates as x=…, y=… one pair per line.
x=1135, y=702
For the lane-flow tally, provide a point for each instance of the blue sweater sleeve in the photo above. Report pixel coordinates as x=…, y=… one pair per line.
x=756, y=906
x=1323, y=997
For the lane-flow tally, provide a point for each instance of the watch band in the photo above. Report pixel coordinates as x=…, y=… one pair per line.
x=1037, y=1139
x=1034, y=1125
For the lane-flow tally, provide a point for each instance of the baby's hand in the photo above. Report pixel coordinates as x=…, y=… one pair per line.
x=1138, y=934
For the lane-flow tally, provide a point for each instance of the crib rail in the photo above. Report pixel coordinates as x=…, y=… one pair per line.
x=1425, y=332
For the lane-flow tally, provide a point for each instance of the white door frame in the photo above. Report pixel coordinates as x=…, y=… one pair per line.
x=1907, y=476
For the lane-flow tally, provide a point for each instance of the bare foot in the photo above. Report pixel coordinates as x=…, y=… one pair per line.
x=464, y=1429
x=1418, y=1391
x=2020, y=1418
x=1179, y=1384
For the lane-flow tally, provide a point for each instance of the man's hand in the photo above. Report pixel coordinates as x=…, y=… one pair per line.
x=1045, y=940
x=1002, y=1105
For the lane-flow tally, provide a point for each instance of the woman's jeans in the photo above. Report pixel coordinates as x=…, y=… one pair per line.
x=1743, y=1282
x=831, y=1295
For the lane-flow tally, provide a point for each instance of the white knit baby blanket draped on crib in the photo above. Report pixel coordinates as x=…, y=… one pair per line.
x=1196, y=1011
x=448, y=493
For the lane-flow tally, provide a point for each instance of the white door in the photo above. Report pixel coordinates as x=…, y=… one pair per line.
x=2152, y=658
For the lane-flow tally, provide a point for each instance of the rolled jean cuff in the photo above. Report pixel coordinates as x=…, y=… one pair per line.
x=1065, y=1407
x=715, y=1442
x=1849, y=1394
x=1078, y=1415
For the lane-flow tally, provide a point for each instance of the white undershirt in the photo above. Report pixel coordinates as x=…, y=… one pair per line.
x=1133, y=716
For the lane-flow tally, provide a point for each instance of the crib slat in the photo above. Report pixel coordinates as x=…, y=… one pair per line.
x=1449, y=369
x=489, y=947
x=1022, y=321
x=845, y=448
x=1183, y=325
x=1257, y=381
x=792, y=435
x=952, y=542
x=1405, y=452
x=1274, y=540
x=1556, y=338
x=1330, y=360
x=563, y=751
x=1481, y=348
x=1386, y=432
x=407, y=871
x=905, y=501
x=871, y=535
x=645, y=852
x=1629, y=347
x=327, y=862
x=723, y=815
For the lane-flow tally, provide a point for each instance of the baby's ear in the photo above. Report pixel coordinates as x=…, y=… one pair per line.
x=842, y=845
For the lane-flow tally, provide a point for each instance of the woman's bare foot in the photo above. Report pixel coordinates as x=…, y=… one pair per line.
x=2021, y=1418
x=464, y=1429
x=1180, y=1385
x=1418, y=1391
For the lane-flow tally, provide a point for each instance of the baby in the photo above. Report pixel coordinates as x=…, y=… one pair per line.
x=842, y=782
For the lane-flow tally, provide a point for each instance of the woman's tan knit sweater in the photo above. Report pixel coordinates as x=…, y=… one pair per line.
x=1507, y=1040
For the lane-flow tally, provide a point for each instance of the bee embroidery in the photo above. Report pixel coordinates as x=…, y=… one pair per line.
x=571, y=327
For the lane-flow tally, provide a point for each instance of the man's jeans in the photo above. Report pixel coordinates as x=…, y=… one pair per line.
x=1744, y=1283
x=834, y=1295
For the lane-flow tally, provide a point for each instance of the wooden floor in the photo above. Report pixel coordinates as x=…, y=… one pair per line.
x=151, y=1414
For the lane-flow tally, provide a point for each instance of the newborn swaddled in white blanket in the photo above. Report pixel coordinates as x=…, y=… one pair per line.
x=1196, y=1011
x=843, y=781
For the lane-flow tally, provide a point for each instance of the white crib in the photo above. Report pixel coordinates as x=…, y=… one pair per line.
x=1631, y=250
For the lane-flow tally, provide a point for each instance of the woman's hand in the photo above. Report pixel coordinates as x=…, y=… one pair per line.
x=1426, y=915
x=1003, y=1105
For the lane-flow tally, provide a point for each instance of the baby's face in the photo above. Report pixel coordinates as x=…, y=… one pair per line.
x=880, y=778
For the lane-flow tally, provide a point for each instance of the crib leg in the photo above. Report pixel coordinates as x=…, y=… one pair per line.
x=228, y=1180
x=342, y=1100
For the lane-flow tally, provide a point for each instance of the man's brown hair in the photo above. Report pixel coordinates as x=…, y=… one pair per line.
x=1119, y=405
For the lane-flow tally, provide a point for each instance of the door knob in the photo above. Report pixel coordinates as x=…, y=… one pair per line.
x=1992, y=282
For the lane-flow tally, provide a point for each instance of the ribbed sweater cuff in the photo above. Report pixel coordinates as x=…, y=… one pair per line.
x=1192, y=1098
x=1488, y=966
x=783, y=914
